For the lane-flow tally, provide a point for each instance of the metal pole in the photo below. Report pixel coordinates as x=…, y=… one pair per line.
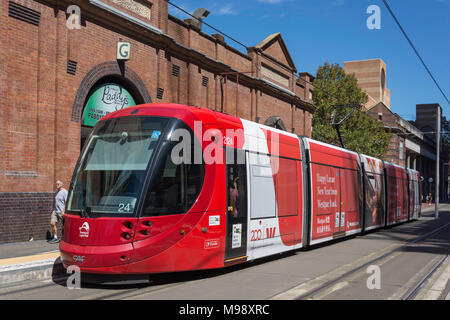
x=438, y=143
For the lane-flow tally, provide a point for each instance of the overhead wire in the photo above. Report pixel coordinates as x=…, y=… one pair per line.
x=201, y=21
x=415, y=50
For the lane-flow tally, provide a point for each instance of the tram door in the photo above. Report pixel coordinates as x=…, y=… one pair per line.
x=236, y=174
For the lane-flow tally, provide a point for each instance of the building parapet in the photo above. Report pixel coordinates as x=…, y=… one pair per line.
x=410, y=128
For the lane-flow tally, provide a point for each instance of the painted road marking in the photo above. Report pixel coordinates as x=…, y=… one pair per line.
x=27, y=259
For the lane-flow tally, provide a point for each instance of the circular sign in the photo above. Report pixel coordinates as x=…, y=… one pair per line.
x=105, y=99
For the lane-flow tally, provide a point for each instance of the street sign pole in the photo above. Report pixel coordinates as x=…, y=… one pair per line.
x=438, y=143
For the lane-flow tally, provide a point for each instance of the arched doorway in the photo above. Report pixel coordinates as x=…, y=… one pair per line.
x=106, y=88
x=105, y=97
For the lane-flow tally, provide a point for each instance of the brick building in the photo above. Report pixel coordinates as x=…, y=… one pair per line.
x=410, y=145
x=371, y=76
x=396, y=152
x=50, y=72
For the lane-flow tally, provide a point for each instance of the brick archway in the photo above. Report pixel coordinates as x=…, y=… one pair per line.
x=117, y=72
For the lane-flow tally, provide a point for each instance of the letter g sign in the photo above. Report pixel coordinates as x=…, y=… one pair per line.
x=123, y=50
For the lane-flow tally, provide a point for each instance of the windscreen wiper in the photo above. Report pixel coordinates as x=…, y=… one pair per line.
x=85, y=212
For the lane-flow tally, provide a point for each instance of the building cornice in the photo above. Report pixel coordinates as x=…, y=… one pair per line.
x=96, y=11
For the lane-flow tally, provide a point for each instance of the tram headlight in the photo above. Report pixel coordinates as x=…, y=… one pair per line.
x=126, y=236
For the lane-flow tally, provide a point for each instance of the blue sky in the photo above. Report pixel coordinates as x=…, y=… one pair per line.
x=336, y=31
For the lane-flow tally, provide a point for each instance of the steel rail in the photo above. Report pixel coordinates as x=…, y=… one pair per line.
x=332, y=282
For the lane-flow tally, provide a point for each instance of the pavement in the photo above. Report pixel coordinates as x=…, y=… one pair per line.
x=31, y=260
x=39, y=260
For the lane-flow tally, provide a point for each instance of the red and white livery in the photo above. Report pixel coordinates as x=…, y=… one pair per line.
x=243, y=191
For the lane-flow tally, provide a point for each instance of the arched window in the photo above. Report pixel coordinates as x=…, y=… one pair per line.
x=122, y=81
x=106, y=98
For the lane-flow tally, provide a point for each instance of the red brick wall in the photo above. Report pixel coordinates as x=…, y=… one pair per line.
x=3, y=73
x=90, y=46
x=179, y=31
x=40, y=126
x=276, y=52
x=25, y=215
x=266, y=109
x=393, y=151
x=390, y=120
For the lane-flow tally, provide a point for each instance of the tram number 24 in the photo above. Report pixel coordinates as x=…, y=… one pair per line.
x=124, y=207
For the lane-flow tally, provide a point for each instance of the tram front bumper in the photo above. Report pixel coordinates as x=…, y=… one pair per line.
x=97, y=259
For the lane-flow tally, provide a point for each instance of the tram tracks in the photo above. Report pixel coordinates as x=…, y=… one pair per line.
x=328, y=284
x=428, y=281
x=333, y=284
x=157, y=284
x=420, y=284
x=132, y=293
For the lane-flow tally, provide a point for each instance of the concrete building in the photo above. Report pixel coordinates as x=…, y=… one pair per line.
x=58, y=77
x=426, y=116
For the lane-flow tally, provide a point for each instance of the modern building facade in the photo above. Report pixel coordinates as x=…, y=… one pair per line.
x=64, y=64
x=426, y=121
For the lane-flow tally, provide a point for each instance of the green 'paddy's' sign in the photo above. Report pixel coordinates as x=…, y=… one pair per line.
x=105, y=99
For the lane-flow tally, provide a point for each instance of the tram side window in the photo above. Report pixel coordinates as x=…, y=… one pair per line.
x=263, y=201
x=175, y=188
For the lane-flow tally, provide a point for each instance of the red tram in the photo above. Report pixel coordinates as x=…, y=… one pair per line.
x=241, y=191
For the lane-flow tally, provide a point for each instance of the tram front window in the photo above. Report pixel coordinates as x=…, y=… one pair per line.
x=113, y=167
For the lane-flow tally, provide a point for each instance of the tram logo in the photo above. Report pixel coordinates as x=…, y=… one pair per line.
x=212, y=243
x=270, y=232
x=84, y=230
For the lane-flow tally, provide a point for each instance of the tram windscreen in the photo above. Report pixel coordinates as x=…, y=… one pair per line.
x=113, y=166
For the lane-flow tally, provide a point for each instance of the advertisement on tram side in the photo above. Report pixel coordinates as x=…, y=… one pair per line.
x=326, y=201
x=397, y=189
x=374, y=192
x=335, y=192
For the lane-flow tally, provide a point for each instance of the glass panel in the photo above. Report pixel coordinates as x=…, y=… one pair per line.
x=237, y=190
x=374, y=199
x=112, y=170
x=263, y=202
x=175, y=187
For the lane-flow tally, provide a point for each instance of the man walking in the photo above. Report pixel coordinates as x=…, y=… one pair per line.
x=60, y=202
